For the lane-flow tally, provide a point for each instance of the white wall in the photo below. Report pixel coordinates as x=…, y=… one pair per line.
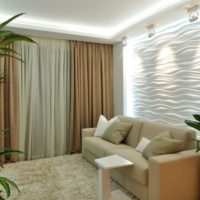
x=118, y=78
x=163, y=74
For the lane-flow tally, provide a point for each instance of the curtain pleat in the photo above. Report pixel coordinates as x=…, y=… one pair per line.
x=2, y=109
x=9, y=105
x=60, y=89
x=44, y=98
x=91, y=87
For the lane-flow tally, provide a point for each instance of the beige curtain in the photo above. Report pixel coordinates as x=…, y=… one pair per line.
x=44, y=90
x=9, y=105
x=91, y=87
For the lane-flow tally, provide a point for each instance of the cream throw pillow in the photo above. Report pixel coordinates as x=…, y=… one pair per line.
x=102, y=125
x=162, y=144
x=142, y=144
x=117, y=131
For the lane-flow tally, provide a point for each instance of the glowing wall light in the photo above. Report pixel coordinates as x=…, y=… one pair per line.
x=151, y=30
x=163, y=74
x=193, y=13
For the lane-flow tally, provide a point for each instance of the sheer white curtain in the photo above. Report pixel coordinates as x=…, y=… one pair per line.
x=44, y=88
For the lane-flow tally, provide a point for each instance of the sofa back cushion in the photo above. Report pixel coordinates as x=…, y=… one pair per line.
x=117, y=131
x=162, y=144
x=151, y=129
x=133, y=136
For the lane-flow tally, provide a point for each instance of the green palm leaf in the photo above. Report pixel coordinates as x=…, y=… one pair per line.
x=11, y=56
x=6, y=186
x=14, y=37
x=2, y=25
x=193, y=124
x=5, y=33
x=6, y=183
x=6, y=50
x=13, y=184
x=1, y=198
x=6, y=38
x=7, y=151
x=197, y=117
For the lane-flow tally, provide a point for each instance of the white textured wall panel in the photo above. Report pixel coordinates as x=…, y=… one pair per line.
x=163, y=75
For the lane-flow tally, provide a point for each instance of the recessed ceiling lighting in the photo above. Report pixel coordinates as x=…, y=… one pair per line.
x=92, y=31
x=164, y=4
x=60, y=27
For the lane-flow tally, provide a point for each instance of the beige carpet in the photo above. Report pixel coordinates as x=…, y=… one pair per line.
x=60, y=178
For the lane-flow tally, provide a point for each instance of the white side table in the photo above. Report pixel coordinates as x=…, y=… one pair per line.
x=104, y=189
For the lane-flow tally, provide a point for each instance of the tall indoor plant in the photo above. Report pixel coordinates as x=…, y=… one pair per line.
x=195, y=124
x=7, y=38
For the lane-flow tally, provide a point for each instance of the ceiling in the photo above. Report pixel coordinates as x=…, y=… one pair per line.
x=100, y=19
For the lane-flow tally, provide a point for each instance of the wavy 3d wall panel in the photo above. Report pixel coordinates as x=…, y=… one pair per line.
x=165, y=75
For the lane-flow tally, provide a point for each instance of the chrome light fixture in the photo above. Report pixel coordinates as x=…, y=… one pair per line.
x=151, y=30
x=124, y=41
x=193, y=13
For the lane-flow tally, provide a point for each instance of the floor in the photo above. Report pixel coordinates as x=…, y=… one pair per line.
x=66, y=177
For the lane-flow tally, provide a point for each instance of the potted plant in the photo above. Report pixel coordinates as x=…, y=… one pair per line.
x=196, y=125
x=7, y=38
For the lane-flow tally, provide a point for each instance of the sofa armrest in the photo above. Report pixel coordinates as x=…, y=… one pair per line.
x=88, y=132
x=174, y=176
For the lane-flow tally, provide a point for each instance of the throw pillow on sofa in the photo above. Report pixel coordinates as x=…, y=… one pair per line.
x=162, y=144
x=102, y=125
x=117, y=131
x=142, y=144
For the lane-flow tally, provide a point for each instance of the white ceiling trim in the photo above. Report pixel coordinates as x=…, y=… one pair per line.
x=95, y=31
x=152, y=11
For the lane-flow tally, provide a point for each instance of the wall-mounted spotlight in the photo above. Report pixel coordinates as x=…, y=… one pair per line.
x=193, y=12
x=124, y=41
x=151, y=30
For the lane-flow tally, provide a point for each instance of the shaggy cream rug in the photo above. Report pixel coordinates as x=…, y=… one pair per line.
x=66, y=177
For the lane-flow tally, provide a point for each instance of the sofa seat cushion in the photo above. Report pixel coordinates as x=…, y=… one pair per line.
x=99, y=146
x=139, y=171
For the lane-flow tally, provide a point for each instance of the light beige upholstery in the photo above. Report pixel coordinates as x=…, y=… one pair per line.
x=139, y=171
x=134, y=134
x=164, y=177
x=175, y=176
x=86, y=132
x=99, y=146
x=151, y=129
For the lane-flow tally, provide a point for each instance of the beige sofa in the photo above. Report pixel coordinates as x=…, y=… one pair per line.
x=164, y=177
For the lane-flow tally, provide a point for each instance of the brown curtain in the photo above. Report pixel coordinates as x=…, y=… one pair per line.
x=8, y=105
x=91, y=87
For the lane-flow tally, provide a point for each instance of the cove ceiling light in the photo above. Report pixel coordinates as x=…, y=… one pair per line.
x=106, y=33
